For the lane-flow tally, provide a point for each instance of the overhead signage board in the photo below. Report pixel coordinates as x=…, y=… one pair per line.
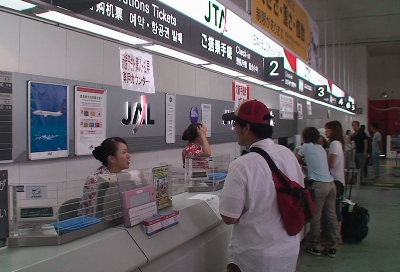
x=217, y=17
x=217, y=48
x=149, y=19
x=293, y=82
x=290, y=24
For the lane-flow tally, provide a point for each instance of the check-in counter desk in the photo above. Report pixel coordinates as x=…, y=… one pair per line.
x=198, y=243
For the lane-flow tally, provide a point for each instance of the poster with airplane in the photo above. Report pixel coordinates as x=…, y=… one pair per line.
x=47, y=120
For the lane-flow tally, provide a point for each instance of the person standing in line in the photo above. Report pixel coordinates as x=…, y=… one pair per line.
x=321, y=180
x=361, y=141
x=259, y=242
x=334, y=132
x=348, y=150
x=376, y=149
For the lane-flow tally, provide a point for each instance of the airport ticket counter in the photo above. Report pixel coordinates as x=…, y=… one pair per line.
x=198, y=243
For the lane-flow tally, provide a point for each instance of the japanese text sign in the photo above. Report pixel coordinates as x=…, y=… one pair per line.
x=240, y=92
x=288, y=23
x=217, y=48
x=136, y=70
x=149, y=19
x=3, y=204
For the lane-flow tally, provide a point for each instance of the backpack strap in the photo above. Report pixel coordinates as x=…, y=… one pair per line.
x=271, y=164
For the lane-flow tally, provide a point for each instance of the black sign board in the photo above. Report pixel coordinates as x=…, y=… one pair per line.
x=322, y=93
x=273, y=69
x=150, y=19
x=217, y=48
x=3, y=204
x=293, y=82
x=5, y=116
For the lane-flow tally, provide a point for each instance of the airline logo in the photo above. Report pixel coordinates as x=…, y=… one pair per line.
x=137, y=114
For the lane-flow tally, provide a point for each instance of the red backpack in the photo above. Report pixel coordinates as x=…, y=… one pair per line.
x=294, y=201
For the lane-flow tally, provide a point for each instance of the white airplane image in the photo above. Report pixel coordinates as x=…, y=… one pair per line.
x=48, y=113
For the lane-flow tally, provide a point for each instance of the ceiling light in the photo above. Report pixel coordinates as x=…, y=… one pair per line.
x=253, y=80
x=16, y=4
x=273, y=87
x=90, y=27
x=384, y=95
x=223, y=70
x=175, y=54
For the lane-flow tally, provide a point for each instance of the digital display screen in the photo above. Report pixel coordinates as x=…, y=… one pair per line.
x=35, y=212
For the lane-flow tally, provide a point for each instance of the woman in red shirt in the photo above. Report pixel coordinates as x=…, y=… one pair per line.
x=197, y=147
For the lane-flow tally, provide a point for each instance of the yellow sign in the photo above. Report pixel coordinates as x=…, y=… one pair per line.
x=288, y=23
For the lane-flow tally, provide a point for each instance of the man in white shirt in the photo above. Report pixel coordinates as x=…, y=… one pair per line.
x=259, y=241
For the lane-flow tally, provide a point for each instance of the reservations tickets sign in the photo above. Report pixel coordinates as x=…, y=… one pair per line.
x=288, y=23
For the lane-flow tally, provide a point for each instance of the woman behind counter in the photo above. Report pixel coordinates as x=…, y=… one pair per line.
x=114, y=156
x=198, y=146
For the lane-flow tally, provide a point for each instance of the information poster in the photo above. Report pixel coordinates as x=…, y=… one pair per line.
x=206, y=117
x=36, y=191
x=6, y=116
x=170, y=120
x=48, y=120
x=286, y=104
x=3, y=204
x=299, y=111
x=309, y=108
x=136, y=70
x=240, y=92
x=90, y=119
x=162, y=186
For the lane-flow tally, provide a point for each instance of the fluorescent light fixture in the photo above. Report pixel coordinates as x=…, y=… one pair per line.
x=223, y=70
x=315, y=101
x=16, y=4
x=90, y=27
x=175, y=54
x=273, y=87
x=253, y=80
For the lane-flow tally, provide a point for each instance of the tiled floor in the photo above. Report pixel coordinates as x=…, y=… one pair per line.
x=380, y=250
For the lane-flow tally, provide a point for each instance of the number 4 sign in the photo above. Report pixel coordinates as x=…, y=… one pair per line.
x=240, y=92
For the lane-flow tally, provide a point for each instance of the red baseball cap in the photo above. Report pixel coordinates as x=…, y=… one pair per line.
x=252, y=111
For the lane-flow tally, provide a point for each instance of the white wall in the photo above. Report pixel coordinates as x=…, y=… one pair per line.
x=383, y=76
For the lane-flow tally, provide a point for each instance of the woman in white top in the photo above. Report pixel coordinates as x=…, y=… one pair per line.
x=334, y=132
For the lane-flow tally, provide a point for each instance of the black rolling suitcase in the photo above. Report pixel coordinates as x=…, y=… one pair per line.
x=355, y=217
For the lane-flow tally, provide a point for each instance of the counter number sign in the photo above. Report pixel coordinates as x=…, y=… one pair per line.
x=322, y=92
x=273, y=68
